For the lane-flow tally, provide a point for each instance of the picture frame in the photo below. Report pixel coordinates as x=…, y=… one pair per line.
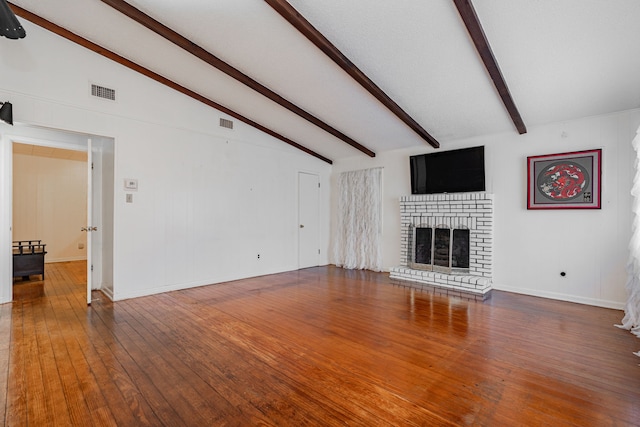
x=565, y=180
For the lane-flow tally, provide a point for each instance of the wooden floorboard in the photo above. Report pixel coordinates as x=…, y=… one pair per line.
x=317, y=347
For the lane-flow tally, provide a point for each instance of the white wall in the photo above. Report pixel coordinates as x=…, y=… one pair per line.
x=209, y=199
x=533, y=247
x=50, y=204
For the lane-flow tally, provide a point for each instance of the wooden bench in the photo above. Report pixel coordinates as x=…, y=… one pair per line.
x=28, y=258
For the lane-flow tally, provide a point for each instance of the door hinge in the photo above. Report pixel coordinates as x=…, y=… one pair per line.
x=318, y=251
x=91, y=267
x=91, y=165
x=318, y=185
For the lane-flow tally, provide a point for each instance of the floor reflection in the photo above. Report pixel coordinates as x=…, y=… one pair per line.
x=437, y=312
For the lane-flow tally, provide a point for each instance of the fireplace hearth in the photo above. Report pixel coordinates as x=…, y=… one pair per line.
x=447, y=243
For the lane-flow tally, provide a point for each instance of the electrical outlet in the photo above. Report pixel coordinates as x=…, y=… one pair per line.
x=129, y=198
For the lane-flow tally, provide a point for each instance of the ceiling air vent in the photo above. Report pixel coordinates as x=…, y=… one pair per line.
x=103, y=92
x=226, y=123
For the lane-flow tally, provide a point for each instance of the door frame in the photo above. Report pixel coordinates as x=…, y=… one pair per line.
x=6, y=174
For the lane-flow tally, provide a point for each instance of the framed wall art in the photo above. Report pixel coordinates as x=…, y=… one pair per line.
x=564, y=180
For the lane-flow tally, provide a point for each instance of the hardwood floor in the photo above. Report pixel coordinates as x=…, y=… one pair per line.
x=321, y=346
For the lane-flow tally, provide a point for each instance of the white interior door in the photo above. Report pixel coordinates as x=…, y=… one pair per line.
x=89, y=227
x=308, y=220
x=95, y=195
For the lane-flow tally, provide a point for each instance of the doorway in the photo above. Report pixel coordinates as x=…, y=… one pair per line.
x=49, y=201
x=97, y=180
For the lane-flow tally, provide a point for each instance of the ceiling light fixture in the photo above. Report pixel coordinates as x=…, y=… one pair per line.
x=9, y=25
x=6, y=112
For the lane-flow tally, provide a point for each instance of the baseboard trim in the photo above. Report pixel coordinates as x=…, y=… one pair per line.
x=616, y=305
x=54, y=260
x=107, y=293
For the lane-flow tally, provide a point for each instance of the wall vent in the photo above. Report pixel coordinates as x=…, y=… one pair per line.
x=103, y=92
x=226, y=123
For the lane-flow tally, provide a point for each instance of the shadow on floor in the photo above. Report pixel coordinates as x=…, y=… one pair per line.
x=27, y=289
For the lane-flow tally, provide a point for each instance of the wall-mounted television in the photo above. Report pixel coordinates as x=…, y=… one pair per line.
x=455, y=171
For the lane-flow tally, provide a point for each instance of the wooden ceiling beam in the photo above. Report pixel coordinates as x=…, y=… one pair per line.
x=62, y=32
x=289, y=13
x=186, y=44
x=474, y=27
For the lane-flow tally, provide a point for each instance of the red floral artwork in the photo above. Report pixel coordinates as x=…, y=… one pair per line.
x=565, y=180
x=562, y=181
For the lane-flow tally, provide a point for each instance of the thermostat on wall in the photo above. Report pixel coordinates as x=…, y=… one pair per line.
x=131, y=184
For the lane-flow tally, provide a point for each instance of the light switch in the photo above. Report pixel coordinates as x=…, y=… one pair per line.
x=131, y=184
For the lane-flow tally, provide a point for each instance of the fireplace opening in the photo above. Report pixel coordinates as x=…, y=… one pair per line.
x=440, y=249
x=460, y=249
x=423, y=245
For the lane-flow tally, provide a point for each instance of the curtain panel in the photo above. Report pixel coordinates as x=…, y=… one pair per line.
x=631, y=320
x=358, y=234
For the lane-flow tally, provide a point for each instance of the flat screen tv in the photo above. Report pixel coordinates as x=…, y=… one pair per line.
x=455, y=171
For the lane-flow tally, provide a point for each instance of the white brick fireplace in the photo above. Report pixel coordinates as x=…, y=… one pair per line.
x=463, y=211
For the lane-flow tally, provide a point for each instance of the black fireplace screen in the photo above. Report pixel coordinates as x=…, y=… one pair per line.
x=423, y=245
x=442, y=247
x=460, y=249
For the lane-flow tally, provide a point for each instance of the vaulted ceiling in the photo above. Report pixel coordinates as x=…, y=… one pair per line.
x=560, y=60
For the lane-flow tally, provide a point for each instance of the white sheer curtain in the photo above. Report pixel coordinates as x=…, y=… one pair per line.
x=631, y=318
x=358, y=234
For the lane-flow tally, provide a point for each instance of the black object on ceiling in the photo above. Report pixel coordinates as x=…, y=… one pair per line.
x=6, y=112
x=9, y=25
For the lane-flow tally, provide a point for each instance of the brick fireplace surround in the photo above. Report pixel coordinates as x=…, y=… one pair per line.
x=473, y=211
